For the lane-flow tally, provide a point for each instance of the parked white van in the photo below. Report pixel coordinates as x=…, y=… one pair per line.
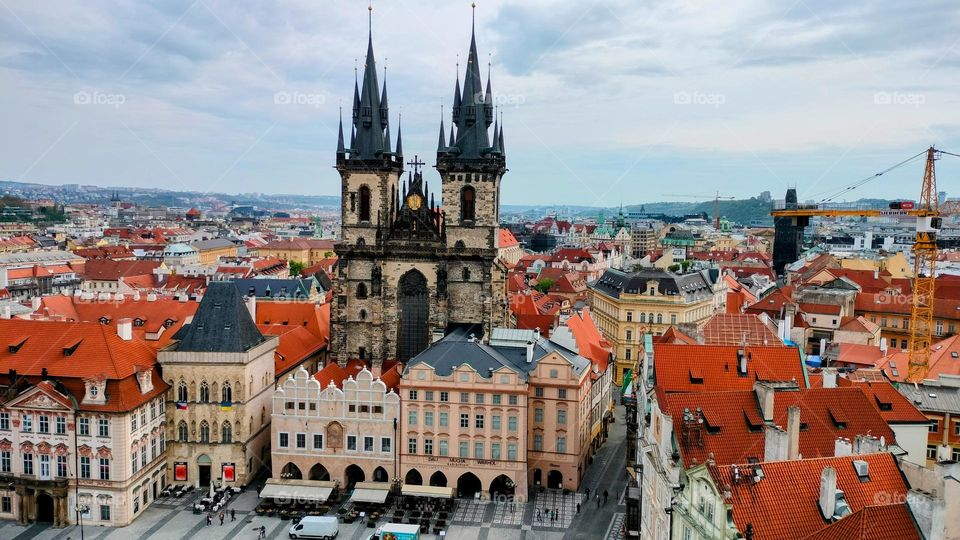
x=324, y=527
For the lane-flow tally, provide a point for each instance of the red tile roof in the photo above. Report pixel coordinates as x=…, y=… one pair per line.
x=901, y=304
x=315, y=318
x=857, y=354
x=110, y=270
x=887, y=522
x=590, y=343
x=893, y=406
x=733, y=329
x=819, y=309
x=295, y=346
x=507, y=239
x=333, y=373
x=944, y=360
x=675, y=336
x=784, y=503
x=719, y=366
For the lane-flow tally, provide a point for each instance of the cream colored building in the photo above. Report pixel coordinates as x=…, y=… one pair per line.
x=345, y=434
x=220, y=369
x=627, y=305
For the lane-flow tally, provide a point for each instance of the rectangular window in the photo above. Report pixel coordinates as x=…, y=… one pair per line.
x=104, y=427
x=934, y=426
x=6, y=505
x=496, y=399
x=939, y=326
x=444, y=450
x=562, y=393
x=538, y=442
x=428, y=447
x=629, y=335
x=428, y=395
x=27, y=424
x=133, y=463
x=153, y=448
x=5, y=465
x=413, y=395
x=163, y=442
x=512, y=400
x=512, y=423
x=133, y=422
x=538, y=391
x=61, y=425
x=629, y=317
x=931, y=451
x=284, y=441
x=561, y=444
x=444, y=396
x=464, y=397
x=956, y=429
x=464, y=449
x=412, y=445
x=478, y=398
x=83, y=426
x=538, y=415
x=301, y=440
x=495, y=422
x=5, y=421
x=104, y=469
x=428, y=418
x=104, y=512
x=495, y=450
x=84, y=467
x=512, y=451
x=317, y=441
x=386, y=444
x=28, y=464
x=443, y=419
x=561, y=416
x=44, y=423
x=464, y=420
x=412, y=418
x=478, y=422
x=478, y=450
x=351, y=442
x=368, y=444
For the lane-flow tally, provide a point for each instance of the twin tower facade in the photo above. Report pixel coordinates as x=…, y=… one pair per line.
x=412, y=268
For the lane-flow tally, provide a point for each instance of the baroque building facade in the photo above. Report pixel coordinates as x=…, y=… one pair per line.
x=410, y=270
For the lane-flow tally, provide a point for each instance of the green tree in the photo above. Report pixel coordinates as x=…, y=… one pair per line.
x=544, y=285
x=296, y=267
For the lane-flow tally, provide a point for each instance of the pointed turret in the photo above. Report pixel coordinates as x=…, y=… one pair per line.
x=384, y=110
x=399, y=141
x=496, y=134
x=500, y=136
x=340, y=148
x=371, y=121
x=471, y=115
x=356, y=96
x=441, y=143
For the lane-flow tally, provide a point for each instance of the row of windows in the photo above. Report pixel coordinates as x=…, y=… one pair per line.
x=479, y=449
x=932, y=452
x=226, y=432
x=369, y=442
x=479, y=420
x=45, y=470
x=495, y=399
x=934, y=427
x=468, y=204
x=538, y=443
x=226, y=392
x=157, y=446
x=157, y=407
x=59, y=424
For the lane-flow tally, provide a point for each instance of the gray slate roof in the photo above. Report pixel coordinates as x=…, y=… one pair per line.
x=213, y=243
x=278, y=288
x=613, y=283
x=458, y=348
x=933, y=397
x=222, y=323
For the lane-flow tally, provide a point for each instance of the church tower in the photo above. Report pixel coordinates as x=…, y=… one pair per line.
x=410, y=270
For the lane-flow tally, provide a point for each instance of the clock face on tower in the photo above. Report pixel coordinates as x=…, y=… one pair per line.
x=414, y=201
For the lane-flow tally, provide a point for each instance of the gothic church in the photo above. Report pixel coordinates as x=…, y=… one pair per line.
x=410, y=269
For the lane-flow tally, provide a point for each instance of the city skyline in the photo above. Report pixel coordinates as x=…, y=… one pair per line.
x=601, y=101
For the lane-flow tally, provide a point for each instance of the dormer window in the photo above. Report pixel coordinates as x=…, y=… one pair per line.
x=96, y=391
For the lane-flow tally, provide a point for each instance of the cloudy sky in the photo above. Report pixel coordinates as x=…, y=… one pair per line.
x=604, y=101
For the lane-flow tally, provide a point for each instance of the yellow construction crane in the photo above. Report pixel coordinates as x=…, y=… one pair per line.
x=927, y=213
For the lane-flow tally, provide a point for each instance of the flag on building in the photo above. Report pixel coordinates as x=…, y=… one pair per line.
x=181, y=406
x=226, y=405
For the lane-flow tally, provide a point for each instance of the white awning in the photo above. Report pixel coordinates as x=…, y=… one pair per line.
x=427, y=491
x=371, y=492
x=297, y=490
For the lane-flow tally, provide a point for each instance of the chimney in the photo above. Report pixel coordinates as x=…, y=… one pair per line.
x=876, y=274
x=125, y=329
x=866, y=444
x=43, y=374
x=4, y=281
x=793, y=433
x=529, y=352
x=136, y=295
x=741, y=361
x=35, y=303
x=151, y=297
x=829, y=378
x=765, y=395
x=6, y=313
x=252, y=306
x=828, y=492
x=883, y=346
x=842, y=447
x=774, y=444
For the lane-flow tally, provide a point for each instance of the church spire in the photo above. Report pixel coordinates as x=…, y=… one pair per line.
x=441, y=144
x=371, y=120
x=500, y=136
x=399, y=138
x=340, y=149
x=472, y=113
x=496, y=134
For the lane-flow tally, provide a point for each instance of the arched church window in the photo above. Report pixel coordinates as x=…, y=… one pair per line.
x=468, y=204
x=466, y=274
x=364, y=203
x=204, y=392
x=362, y=290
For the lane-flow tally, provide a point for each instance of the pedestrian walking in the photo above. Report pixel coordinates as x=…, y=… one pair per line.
x=539, y=517
x=233, y=514
x=605, y=494
x=598, y=500
x=221, y=517
x=263, y=531
x=587, y=491
x=556, y=514
x=578, y=508
x=209, y=519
